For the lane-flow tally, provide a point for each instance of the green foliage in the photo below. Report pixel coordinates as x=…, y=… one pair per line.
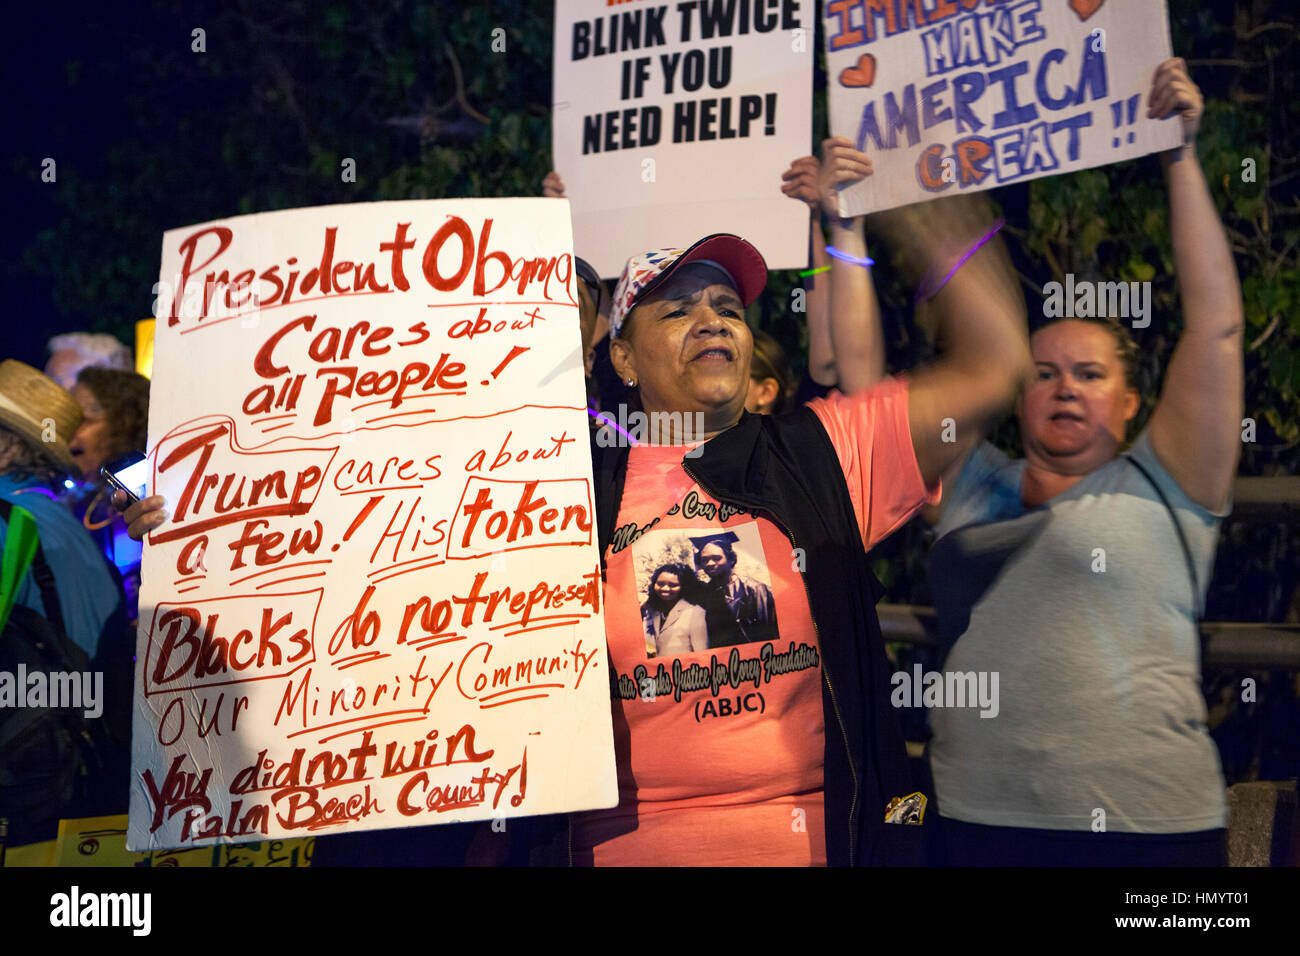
x=414, y=93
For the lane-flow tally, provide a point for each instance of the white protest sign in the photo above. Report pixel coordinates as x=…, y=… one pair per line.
x=675, y=120
x=952, y=96
x=376, y=601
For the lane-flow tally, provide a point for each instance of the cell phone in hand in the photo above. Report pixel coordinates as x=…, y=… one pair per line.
x=130, y=473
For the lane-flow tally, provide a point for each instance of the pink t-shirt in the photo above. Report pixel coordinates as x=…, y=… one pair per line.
x=715, y=665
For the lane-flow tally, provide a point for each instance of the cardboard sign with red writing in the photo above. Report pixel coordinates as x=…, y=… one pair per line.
x=376, y=600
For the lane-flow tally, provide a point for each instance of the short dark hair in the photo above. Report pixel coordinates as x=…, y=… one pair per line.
x=724, y=545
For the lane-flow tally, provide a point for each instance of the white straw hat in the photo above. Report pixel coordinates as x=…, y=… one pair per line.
x=33, y=406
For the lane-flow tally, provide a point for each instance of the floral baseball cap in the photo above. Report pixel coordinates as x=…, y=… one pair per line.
x=644, y=273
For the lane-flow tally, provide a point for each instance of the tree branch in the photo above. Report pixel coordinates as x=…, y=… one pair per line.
x=460, y=86
x=1263, y=336
x=1265, y=27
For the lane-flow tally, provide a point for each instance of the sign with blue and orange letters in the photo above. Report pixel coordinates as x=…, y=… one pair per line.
x=952, y=96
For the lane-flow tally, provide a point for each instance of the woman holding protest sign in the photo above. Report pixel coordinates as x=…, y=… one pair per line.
x=800, y=760
x=817, y=487
x=1077, y=574
x=806, y=492
x=795, y=752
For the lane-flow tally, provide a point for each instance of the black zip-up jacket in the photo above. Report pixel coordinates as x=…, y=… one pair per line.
x=786, y=467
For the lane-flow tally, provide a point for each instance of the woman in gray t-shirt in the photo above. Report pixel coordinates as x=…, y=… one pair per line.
x=1064, y=575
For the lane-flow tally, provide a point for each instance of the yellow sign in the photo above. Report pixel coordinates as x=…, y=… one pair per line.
x=144, y=347
x=101, y=842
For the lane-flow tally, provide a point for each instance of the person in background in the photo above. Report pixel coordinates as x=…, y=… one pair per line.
x=1078, y=572
x=81, y=598
x=591, y=292
x=674, y=621
x=770, y=386
x=115, y=417
x=605, y=392
x=73, y=351
x=857, y=340
x=32, y=472
x=115, y=420
x=845, y=342
x=799, y=182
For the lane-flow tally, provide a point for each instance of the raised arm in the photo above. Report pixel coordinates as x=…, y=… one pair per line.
x=981, y=329
x=821, y=354
x=800, y=182
x=855, y=333
x=1195, y=428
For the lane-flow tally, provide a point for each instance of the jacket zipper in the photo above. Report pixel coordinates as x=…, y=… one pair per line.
x=839, y=718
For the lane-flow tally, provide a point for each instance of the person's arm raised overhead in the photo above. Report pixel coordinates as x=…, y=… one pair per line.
x=1195, y=428
x=857, y=341
x=981, y=327
x=800, y=182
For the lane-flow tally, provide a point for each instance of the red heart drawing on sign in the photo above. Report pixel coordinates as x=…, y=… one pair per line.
x=861, y=74
x=1086, y=8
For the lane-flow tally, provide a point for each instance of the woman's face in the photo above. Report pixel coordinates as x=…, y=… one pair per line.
x=688, y=348
x=667, y=588
x=92, y=445
x=1073, y=413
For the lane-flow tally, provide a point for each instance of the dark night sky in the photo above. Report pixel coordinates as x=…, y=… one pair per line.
x=65, y=113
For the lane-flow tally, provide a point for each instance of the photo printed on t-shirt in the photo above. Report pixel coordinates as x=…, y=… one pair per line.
x=703, y=588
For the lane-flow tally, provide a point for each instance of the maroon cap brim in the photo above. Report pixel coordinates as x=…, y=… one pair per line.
x=742, y=261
